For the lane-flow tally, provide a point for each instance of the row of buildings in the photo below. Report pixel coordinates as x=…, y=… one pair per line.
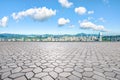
x=49, y=39
x=62, y=38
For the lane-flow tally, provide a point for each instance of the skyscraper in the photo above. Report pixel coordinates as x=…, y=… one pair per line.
x=100, y=36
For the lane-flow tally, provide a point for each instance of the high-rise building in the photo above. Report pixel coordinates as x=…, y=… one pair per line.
x=100, y=36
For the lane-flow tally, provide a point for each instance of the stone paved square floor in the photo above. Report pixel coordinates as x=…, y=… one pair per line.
x=59, y=61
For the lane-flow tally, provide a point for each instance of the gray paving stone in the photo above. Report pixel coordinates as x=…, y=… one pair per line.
x=38, y=64
x=53, y=74
x=68, y=69
x=32, y=66
x=77, y=74
x=29, y=75
x=21, y=78
x=42, y=74
x=7, y=79
x=18, y=69
x=35, y=78
x=88, y=74
x=110, y=78
x=27, y=70
x=77, y=68
x=86, y=78
x=62, y=78
x=64, y=74
x=15, y=75
x=110, y=74
x=107, y=69
x=118, y=76
x=97, y=77
x=5, y=75
x=72, y=77
x=5, y=70
x=47, y=78
x=98, y=69
x=37, y=70
x=99, y=73
x=48, y=70
x=88, y=69
x=58, y=69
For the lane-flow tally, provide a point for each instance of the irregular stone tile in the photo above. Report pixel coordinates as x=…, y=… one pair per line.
x=77, y=74
x=13, y=66
x=118, y=76
x=99, y=73
x=42, y=74
x=35, y=79
x=3, y=67
x=97, y=77
x=68, y=69
x=20, y=64
x=38, y=63
x=98, y=69
x=48, y=70
x=58, y=70
x=5, y=70
x=7, y=79
x=32, y=66
x=29, y=75
x=110, y=78
x=5, y=75
x=88, y=69
x=55, y=64
x=53, y=74
x=107, y=69
x=62, y=78
x=37, y=70
x=110, y=74
x=78, y=69
x=43, y=66
x=64, y=74
x=18, y=69
x=87, y=74
x=86, y=78
x=27, y=70
x=21, y=78
x=16, y=75
x=47, y=78
x=72, y=77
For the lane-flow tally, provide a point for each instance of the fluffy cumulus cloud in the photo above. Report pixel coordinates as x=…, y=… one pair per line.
x=92, y=26
x=38, y=14
x=80, y=10
x=63, y=21
x=90, y=12
x=65, y=3
x=3, y=21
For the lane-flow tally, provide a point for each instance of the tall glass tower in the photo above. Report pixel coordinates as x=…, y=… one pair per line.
x=100, y=36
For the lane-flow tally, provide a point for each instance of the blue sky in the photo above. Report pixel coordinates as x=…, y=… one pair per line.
x=59, y=16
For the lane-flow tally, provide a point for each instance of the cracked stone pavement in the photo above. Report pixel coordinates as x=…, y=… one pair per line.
x=59, y=61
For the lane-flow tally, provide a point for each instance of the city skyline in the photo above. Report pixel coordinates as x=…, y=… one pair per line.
x=59, y=16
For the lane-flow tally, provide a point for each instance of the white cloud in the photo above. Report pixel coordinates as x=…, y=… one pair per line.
x=101, y=19
x=90, y=12
x=81, y=10
x=63, y=21
x=39, y=14
x=65, y=3
x=92, y=26
x=3, y=21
